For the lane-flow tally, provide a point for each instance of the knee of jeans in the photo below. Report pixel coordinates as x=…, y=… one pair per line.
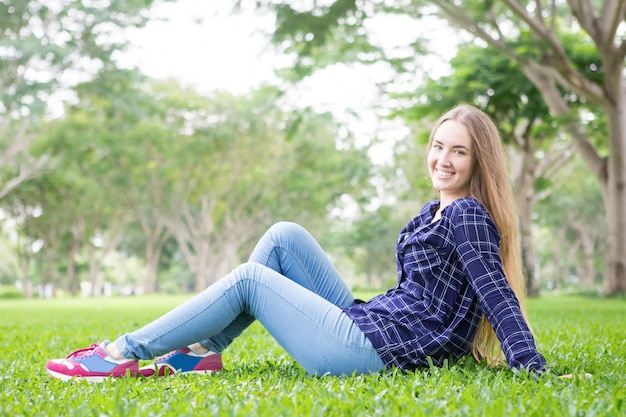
x=283, y=232
x=247, y=271
x=241, y=270
x=284, y=227
x=248, y=278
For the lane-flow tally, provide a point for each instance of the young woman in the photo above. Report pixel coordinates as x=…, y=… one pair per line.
x=460, y=287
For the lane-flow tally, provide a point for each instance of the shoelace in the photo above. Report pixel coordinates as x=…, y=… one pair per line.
x=184, y=351
x=172, y=353
x=84, y=352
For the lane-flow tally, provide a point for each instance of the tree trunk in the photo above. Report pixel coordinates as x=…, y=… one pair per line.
x=524, y=191
x=610, y=171
x=615, y=189
x=51, y=261
x=528, y=255
x=72, y=276
x=202, y=267
x=156, y=233
x=94, y=272
x=586, y=270
x=155, y=239
x=151, y=283
x=96, y=256
x=24, y=261
x=192, y=228
x=558, y=263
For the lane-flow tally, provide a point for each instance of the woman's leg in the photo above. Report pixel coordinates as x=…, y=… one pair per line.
x=290, y=250
x=315, y=331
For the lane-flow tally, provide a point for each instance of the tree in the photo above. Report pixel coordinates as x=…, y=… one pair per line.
x=571, y=247
x=136, y=127
x=241, y=164
x=211, y=172
x=45, y=47
x=536, y=38
x=546, y=61
x=88, y=186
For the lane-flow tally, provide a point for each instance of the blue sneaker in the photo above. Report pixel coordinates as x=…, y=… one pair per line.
x=183, y=361
x=93, y=364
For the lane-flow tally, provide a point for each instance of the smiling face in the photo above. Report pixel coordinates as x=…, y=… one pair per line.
x=450, y=161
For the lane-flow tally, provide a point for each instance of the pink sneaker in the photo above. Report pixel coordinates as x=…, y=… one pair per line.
x=184, y=361
x=92, y=363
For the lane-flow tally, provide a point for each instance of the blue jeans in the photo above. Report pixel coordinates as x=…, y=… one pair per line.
x=292, y=288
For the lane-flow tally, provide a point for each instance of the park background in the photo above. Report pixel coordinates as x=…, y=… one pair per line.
x=131, y=162
x=145, y=145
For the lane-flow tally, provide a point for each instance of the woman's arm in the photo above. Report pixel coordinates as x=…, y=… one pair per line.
x=477, y=244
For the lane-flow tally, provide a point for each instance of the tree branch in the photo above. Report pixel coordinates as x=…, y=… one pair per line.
x=28, y=166
x=559, y=108
x=536, y=26
x=610, y=18
x=19, y=142
x=553, y=14
x=560, y=70
x=568, y=76
x=583, y=12
x=32, y=170
x=457, y=15
x=550, y=166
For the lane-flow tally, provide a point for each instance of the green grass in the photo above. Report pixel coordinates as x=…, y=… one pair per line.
x=576, y=334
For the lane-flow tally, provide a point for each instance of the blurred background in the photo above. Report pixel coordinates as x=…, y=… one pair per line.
x=146, y=145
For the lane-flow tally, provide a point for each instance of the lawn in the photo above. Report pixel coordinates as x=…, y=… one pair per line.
x=576, y=334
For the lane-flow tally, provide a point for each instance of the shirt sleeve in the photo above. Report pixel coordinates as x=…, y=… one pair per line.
x=477, y=243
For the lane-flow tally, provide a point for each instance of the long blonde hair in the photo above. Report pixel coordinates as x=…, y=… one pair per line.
x=490, y=185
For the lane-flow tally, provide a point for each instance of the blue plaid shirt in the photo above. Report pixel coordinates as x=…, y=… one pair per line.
x=449, y=274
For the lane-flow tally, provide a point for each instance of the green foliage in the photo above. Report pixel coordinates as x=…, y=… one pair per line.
x=485, y=78
x=576, y=334
x=133, y=148
x=160, y=164
x=41, y=41
x=321, y=36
